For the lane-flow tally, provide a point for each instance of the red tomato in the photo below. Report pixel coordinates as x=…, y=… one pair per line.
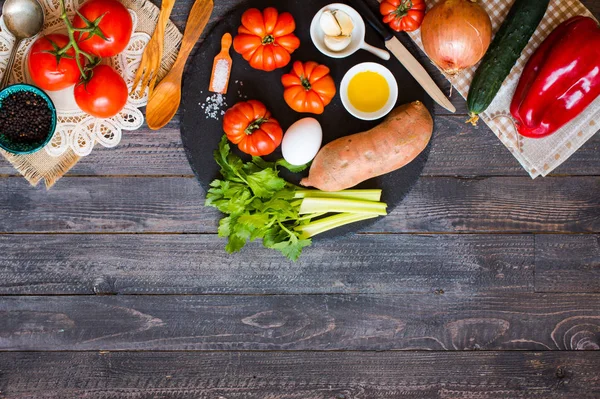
x=104, y=94
x=308, y=87
x=266, y=39
x=115, y=24
x=249, y=125
x=403, y=15
x=46, y=70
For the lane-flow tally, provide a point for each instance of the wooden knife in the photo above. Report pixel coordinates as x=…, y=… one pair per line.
x=403, y=55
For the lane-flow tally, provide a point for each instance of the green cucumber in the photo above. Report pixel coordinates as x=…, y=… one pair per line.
x=512, y=37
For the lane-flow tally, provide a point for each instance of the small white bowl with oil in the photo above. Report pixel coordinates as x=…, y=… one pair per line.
x=369, y=91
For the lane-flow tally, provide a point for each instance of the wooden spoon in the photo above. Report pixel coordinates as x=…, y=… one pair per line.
x=166, y=97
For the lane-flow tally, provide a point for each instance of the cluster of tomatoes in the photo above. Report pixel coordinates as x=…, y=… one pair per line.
x=266, y=40
x=100, y=28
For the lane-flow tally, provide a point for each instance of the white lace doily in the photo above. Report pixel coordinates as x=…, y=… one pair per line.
x=76, y=129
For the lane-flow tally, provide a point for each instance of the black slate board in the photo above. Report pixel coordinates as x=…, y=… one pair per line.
x=201, y=135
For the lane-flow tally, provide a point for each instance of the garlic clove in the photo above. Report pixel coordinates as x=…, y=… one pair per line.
x=345, y=22
x=337, y=43
x=329, y=24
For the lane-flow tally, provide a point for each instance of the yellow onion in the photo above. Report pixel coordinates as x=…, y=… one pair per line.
x=456, y=34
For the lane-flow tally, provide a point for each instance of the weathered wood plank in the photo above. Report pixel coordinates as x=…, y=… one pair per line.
x=106, y=205
x=567, y=263
x=313, y=375
x=301, y=322
x=142, y=152
x=593, y=6
x=457, y=150
x=196, y=264
x=498, y=204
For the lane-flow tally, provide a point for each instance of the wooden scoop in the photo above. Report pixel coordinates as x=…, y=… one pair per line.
x=222, y=60
x=166, y=97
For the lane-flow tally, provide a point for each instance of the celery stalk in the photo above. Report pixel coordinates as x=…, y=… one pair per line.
x=331, y=205
x=365, y=195
x=311, y=216
x=331, y=222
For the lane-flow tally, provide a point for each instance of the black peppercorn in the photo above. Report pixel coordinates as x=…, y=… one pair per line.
x=25, y=118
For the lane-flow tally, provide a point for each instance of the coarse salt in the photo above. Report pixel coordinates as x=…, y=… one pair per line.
x=220, y=76
x=213, y=106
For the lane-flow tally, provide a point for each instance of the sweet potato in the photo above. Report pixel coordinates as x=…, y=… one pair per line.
x=350, y=160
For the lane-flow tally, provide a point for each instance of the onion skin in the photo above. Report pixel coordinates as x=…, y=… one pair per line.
x=456, y=34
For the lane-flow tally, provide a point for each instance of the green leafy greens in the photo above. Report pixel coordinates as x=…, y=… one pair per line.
x=258, y=204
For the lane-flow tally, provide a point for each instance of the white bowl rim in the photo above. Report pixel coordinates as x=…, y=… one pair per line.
x=383, y=71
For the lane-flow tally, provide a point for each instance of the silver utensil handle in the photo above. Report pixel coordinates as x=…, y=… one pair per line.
x=9, y=66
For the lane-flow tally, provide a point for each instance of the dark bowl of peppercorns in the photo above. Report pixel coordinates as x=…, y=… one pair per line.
x=27, y=119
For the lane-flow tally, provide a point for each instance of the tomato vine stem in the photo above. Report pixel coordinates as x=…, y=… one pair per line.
x=74, y=45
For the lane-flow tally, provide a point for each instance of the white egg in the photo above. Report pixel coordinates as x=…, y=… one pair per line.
x=302, y=141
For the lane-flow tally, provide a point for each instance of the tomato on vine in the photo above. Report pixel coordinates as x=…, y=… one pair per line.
x=103, y=94
x=101, y=28
x=50, y=71
x=109, y=24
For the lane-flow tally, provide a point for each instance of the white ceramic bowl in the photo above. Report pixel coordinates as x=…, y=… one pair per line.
x=358, y=34
x=373, y=67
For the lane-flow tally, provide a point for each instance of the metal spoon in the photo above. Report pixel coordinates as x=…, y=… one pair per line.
x=24, y=19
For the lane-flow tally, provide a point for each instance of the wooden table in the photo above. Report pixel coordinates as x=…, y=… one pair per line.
x=481, y=284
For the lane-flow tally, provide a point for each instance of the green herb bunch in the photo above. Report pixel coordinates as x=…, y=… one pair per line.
x=258, y=204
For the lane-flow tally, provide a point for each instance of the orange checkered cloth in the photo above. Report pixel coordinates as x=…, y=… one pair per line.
x=538, y=156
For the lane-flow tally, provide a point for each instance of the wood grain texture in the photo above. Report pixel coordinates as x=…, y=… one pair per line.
x=302, y=322
x=252, y=333
x=593, y=6
x=497, y=204
x=198, y=264
x=312, y=375
x=457, y=150
x=567, y=263
x=106, y=205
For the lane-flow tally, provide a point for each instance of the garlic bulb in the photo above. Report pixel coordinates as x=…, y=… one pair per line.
x=338, y=27
x=337, y=43
x=329, y=24
x=345, y=22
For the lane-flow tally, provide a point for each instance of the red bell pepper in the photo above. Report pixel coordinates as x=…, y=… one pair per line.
x=560, y=80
